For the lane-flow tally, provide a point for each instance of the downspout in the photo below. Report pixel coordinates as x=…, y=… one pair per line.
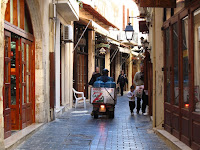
x=154, y=70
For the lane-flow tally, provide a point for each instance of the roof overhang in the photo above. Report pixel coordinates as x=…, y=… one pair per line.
x=68, y=9
x=124, y=50
x=98, y=16
x=130, y=43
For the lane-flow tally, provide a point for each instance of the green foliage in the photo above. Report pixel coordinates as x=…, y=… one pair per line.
x=80, y=3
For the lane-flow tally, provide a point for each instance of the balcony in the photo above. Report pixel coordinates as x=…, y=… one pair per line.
x=68, y=9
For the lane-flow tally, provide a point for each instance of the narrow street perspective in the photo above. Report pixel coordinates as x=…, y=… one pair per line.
x=78, y=130
x=100, y=74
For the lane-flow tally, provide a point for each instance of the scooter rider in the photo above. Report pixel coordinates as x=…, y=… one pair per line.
x=104, y=76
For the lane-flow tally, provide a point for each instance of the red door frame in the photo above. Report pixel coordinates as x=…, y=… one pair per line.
x=7, y=85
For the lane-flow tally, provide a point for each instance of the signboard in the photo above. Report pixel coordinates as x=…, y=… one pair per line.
x=158, y=3
x=101, y=95
x=102, y=45
x=102, y=51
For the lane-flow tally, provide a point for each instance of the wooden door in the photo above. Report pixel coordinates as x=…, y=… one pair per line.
x=167, y=81
x=82, y=73
x=150, y=87
x=26, y=105
x=15, y=41
x=7, y=85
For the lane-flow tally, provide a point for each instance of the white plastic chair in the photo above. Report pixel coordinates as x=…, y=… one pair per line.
x=79, y=98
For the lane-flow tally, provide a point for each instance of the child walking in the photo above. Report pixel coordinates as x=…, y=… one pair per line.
x=131, y=96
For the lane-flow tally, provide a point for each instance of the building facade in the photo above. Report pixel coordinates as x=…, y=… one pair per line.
x=106, y=28
x=174, y=44
x=30, y=54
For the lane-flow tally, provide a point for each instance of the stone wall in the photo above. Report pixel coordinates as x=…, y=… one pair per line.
x=159, y=75
x=3, y=8
x=40, y=21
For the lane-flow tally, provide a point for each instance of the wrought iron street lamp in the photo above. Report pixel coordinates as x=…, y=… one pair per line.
x=129, y=32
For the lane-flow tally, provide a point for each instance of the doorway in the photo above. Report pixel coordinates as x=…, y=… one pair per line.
x=18, y=83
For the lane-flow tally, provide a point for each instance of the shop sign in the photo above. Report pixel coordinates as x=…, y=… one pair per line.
x=102, y=51
x=185, y=53
x=102, y=45
x=158, y=3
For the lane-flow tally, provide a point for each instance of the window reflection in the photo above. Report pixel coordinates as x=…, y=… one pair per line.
x=185, y=55
x=13, y=90
x=196, y=60
x=175, y=55
x=13, y=54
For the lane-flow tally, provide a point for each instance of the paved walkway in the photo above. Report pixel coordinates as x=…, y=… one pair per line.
x=77, y=130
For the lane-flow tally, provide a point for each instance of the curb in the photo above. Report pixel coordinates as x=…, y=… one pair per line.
x=16, y=139
x=171, y=141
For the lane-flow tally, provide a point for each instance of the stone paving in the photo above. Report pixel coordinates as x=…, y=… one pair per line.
x=77, y=130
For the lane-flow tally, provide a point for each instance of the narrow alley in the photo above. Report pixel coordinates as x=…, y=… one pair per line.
x=77, y=130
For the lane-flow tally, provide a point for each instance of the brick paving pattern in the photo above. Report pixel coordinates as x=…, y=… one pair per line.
x=77, y=130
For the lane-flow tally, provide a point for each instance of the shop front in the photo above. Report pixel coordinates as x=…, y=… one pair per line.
x=181, y=73
x=81, y=59
x=101, y=49
x=19, y=68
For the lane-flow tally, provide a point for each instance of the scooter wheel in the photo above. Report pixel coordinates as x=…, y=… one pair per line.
x=111, y=115
x=96, y=116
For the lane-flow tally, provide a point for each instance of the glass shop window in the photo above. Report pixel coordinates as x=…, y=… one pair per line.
x=185, y=55
x=176, y=62
x=17, y=13
x=196, y=60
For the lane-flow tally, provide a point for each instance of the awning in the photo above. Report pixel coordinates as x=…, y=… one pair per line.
x=130, y=43
x=93, y=25
x=84, y=21
x=98, y=29
x=97, y=15
x=124, y=50
x=158, y=3
x=68, y=9
x=135, y=53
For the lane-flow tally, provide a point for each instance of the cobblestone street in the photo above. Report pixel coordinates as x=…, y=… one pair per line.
x=78, y=130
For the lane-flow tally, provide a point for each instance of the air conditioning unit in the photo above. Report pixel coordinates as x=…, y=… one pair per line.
x=67, y=33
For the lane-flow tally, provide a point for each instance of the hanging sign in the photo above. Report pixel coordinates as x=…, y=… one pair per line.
x=102, y=45
x=102, y=51
x=158, y=3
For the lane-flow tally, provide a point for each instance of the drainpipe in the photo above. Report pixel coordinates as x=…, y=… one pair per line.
x=154, y=70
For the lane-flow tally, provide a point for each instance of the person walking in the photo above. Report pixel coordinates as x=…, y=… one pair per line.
x=95, y=75
x=131, y=96
x=122, y=80
x=139, y=81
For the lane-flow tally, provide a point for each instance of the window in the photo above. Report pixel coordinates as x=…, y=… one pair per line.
x=176, y=63
x=185, y=56
x=196, y=60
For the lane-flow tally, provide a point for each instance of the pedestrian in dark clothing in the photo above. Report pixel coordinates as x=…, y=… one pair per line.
x=95, y=75
x=122, y=80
